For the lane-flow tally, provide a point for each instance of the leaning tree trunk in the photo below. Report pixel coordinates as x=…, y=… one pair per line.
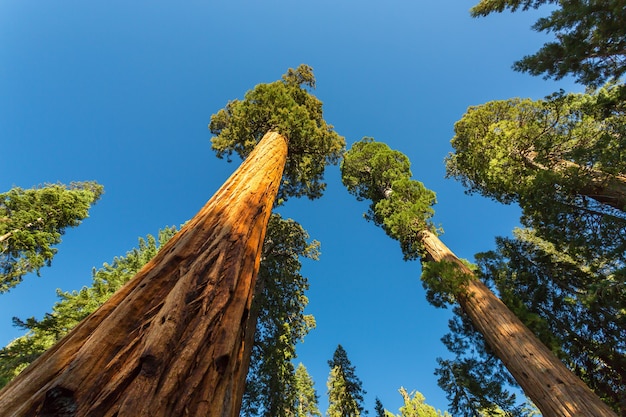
x=172, y=341
x=609, y=189
x=544, y=378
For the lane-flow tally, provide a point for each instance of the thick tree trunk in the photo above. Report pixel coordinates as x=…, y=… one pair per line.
x=543, y=377
x=609, y=189
x=172, y=341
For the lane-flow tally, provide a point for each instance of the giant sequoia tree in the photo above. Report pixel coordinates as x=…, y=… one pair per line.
x=32, y=221
x=177, y=338
x=590, y=38
x=402, y=207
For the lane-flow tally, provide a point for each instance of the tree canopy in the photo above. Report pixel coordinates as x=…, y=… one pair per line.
x=287, y=107
x=33, y=220
x=590, y=38
x=562, y=159
x=372, y=171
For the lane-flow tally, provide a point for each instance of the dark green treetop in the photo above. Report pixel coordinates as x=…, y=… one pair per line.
x=33, y=220
x=287, y=107
x=345, y=389
x=379, y=409
x=372, y=171
x=590, y=38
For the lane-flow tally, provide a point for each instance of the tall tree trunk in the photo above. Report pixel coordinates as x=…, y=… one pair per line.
x=172, y=341
x=542, y=376
x=609, y=189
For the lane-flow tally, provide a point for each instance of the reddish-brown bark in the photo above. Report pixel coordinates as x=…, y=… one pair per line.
x=544, y=378
x=172, y=342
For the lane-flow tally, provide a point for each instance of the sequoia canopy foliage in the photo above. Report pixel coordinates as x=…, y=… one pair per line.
x=590, y=38
x=561, y=159
x=33, y=220
x=402, y=207
x=287, y=107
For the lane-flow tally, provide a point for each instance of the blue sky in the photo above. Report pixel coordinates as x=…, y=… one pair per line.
x=122, y=92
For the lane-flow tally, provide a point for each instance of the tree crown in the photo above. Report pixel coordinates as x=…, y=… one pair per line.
x=401, y=206
x=287, y=107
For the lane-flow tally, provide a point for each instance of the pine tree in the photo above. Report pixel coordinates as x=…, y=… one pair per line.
x=306, y=404
x=401, y=206
x=32, y=221
x=345, y=389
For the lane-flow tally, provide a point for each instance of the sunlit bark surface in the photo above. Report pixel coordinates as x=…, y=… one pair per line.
x=172, y=342
x=543, y=377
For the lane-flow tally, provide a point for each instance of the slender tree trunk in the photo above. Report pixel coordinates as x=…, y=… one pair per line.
x=172, y=341
x=542, y=376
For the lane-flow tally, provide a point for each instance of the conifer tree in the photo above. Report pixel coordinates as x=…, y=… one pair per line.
x=345, y=389
x=402, y=207
x=379, y=409
x=271, y=385
x=74, y=306
x=561, y=159
x=306, y=404
x=193, y=299
x=589, y=41
x=32, y=222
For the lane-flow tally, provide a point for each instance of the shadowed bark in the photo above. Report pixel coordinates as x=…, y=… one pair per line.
x=554, y=389
x=173, y=341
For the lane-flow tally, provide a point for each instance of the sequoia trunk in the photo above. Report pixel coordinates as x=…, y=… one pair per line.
x=172, y=342
x=543, y=377
x=609, y=189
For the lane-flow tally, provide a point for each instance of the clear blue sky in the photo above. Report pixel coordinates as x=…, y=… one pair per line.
x=121, y=92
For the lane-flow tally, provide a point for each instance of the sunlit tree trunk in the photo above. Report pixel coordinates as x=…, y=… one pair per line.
x=172, y=342
x=554, y=389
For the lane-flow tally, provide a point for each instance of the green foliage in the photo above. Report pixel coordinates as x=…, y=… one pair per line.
x=444, y=282
x=345, y=389
x=287, y=107
x=475, y=380
x=590, y=38
x=562, y=159
x=271, y=387
x=75, y=306
x=415, y=406
x=306, y=404
x=372, y=171
x=32, y=221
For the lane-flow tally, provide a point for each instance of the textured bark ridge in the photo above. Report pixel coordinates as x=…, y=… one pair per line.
x=172, y=342
x=543, y=377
